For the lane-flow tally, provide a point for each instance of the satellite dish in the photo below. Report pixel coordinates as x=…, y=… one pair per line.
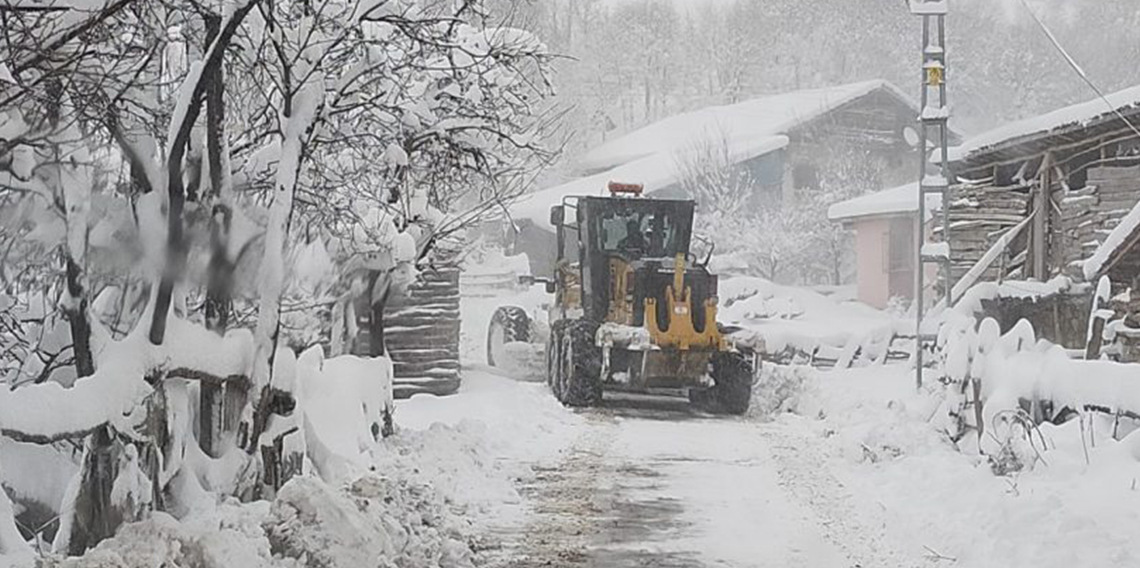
x=910, y=136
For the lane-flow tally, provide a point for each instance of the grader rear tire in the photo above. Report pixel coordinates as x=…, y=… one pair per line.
x=554, y=359
x=509, y=324
x=581, y=367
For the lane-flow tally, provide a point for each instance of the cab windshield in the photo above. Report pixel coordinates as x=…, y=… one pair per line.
x=637, y=234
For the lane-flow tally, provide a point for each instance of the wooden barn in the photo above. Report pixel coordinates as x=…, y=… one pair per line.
x=1043, y=199
x=1057, y=184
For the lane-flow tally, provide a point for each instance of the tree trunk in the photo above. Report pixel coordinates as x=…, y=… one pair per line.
x=381, y=286
x=175, y=248
x=175, y=244
x=11, y=541
x=74, y=185
x=76, y=313
x=300, y=116
x=220, y=269
x=95, y=517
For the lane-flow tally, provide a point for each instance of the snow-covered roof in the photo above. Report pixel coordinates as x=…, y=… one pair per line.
x=753, y=119
x=1075, y=116
x=655, y=172
x=895, y=201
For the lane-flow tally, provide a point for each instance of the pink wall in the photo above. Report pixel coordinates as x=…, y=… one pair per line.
x=871, y=276
x=872, y=254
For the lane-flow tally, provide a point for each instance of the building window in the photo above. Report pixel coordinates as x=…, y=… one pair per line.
x=901, y=245
x=805, y=176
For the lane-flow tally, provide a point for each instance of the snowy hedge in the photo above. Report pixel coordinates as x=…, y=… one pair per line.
x=1008, y=384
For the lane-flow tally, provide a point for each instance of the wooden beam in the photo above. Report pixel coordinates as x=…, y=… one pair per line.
x=1040, y=221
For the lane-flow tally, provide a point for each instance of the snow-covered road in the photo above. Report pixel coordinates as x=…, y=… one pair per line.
x=649, y=482
x=659, y=487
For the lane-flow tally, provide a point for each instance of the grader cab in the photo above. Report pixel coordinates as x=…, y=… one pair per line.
x=634, y=309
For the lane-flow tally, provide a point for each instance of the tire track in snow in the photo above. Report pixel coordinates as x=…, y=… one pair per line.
x=585, y=511
x=859, y=531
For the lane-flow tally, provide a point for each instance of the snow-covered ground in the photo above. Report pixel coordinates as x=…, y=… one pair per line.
x=833, y=468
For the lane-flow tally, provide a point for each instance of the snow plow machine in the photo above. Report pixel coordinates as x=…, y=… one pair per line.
x=634, y=310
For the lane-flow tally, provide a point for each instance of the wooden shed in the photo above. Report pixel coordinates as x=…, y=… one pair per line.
x=1055, y=185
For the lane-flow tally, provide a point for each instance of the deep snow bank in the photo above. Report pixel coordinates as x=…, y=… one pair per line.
x=886, y=444
x=415, y=509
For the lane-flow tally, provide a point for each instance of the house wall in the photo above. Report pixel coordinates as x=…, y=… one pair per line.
x=873, y=277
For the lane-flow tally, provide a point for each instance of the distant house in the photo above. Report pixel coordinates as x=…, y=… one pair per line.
x=787, y=143
x=885, y=224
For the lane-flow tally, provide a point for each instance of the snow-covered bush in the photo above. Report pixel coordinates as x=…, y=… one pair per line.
x=374, y=521
x=779, y=388
x=781, y=237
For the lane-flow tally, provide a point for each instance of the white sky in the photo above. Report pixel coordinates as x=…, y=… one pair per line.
x=1011, y=8
x=685, y=4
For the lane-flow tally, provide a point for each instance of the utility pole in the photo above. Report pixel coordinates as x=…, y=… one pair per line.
x=935, y=116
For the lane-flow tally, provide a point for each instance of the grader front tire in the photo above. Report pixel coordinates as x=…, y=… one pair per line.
x=732, y=391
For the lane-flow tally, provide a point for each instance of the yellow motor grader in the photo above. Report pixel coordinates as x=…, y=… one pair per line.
x=634, y=309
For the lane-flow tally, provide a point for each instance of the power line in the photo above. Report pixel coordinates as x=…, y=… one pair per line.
x=1077, y=68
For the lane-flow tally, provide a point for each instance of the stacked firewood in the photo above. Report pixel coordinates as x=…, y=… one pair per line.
x=1081, y=225
x=979, y=215
x=422, y=332
x=1089, y=214
x=1117, y=187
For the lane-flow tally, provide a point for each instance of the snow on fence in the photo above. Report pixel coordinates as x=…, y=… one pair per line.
x=789, y=325
x=1057, y=309
x=872, y=348
x=127, y=372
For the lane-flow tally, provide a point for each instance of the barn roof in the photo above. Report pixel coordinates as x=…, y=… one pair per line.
x=1031, y=136
x=740, y=123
